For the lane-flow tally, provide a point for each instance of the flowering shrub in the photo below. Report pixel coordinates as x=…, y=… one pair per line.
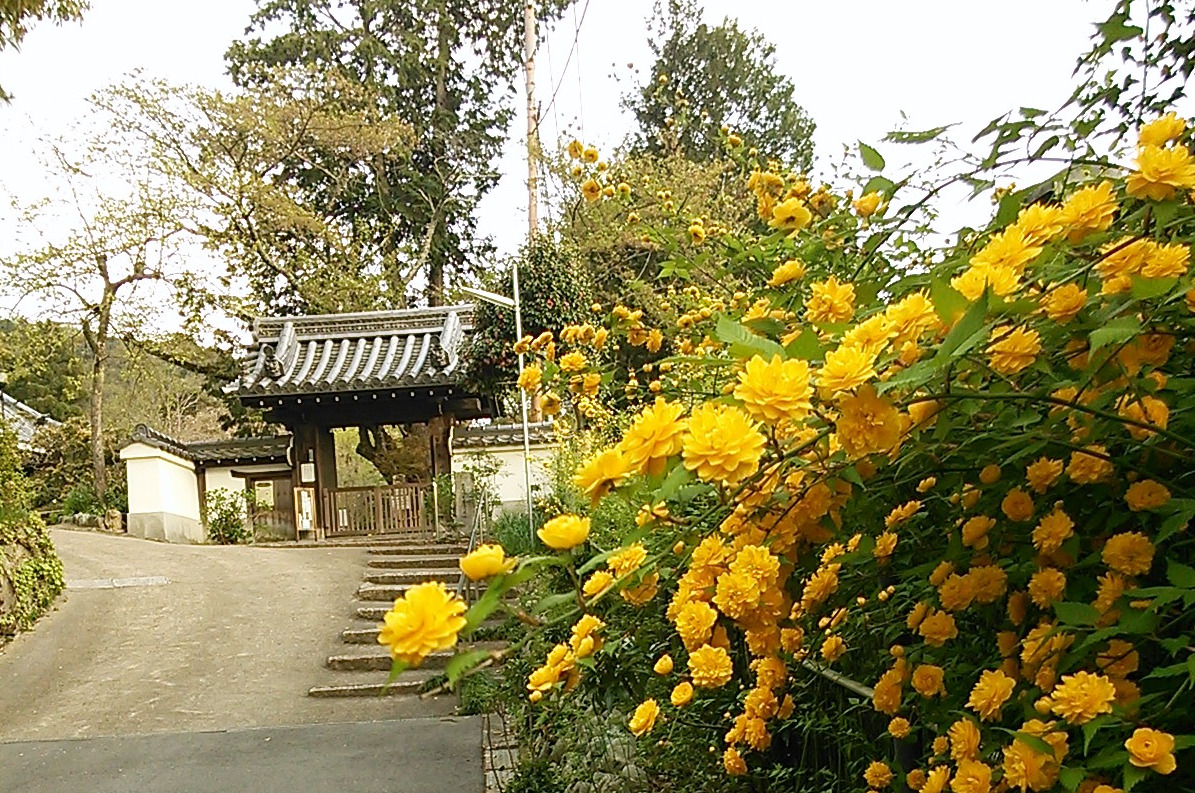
x=956, y=487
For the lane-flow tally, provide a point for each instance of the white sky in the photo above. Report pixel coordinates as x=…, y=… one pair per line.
x=856, y=64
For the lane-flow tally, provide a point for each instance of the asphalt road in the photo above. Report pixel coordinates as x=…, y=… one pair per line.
x=171, y=659
x=408, y=756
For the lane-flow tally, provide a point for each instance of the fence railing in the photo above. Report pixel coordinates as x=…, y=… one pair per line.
x=392, y=509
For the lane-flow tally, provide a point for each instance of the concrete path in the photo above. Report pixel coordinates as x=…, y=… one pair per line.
x=209, y=638
x=410, y=756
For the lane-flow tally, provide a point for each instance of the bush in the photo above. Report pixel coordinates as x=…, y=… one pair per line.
x=511, y=532
x=225, y=516
x=81, y=499
x=479, y=692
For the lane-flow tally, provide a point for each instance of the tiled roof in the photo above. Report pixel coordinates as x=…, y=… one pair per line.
x=491, y=435
x=358, y=352
x=22, y=419
x=225, y=450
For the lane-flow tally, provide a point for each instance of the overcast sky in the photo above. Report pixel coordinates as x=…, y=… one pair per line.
x=857, y=67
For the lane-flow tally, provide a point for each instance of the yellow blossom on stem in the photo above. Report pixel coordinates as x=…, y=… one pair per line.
x=1161, y=172
x=564, y=532
x=1063, y=303
x=1013, y=349
x=867, y=204
x=1129, y=552
x=791, y=270
x=530, y=378
x=928, y=681
x=1043, y=473
x=486, y=561
x=644, y=718
x=1146, y=494
x=1161, y=130
x=867, y=423
x=878, y=775
x=598, y=582
x=1089, y=210
x=682, y=694
x=791, y=215
x=1152, y=749
x=602, y=473
x=710, y=667
x=1081, y=697
x=1053, y=530
x=830, y=301
x=426, y=619
x=846, y=368
x=722, y=445
x=775, y=390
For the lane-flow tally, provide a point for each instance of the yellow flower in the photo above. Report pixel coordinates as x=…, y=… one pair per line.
x=775, y=390
x=722, y=444
x=889, y=690
x=710, y=667
x=1090, y=466
x=846, y=368
x=1129, y=552
x=486, y=561
x=530, y=378
x=584, y=641
x=695, y=623
x=936, y=780
x=885, y=546
x=697, y=233
x=564, y=531
x=928, y=681
x=957, y=592
x=964, y=740
x=1046, y=587
x=833, y=648
x=1043, y=473
x=972, y=776
x=1053, y=530
x=791, y=215
x=1081, y=697
x=867, y=423
x=899, y=727
x=656, y=434
x=878, y=775
x=1063, y=303
x=1090, y=209
x=682, y=695
x=736, y=594
x=1147, y=410
x=591, y=190
x=627, y=560
x=644, y=718
x=427, y=618
x=1161, y=173
x=927, y=484
x=733, y=762
x=1122, y=259
x=901, y=514
x=1146, y=494
x=645, y=591
x=1017, y=505
x=938, y=628
x=1167, y=261
x=663, y=665
x=867, y=204
x=791, y=270
x=1161, y=131
x=550, y=404
x=1013, y=349
x=598, y=582
x=1039, y=223
x=573, y=362
x=1008, y=250
x=1152, y=749
x=590, y=154
x=916, y=779
x=602, y=473
x=830, y=301
x=975, y=531
x=990, y=693
x=1026, y=767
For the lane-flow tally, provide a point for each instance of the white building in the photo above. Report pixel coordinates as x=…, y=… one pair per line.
x=499, y=447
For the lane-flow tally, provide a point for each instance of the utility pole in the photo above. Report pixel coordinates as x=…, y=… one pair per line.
x=532, y=227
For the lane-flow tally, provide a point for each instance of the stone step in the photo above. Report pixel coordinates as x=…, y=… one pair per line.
x=372, y=611
x=373, y=684
x=377, y=658
x=388, y=593
x=416, y=576
x=369, y=635
x=418, y=561
x=434, y=549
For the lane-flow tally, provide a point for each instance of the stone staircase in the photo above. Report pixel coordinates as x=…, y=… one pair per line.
x=361, y=666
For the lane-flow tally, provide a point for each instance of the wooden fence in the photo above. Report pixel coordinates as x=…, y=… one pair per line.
x=394, y=509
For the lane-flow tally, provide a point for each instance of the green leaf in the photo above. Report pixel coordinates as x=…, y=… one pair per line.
x=1180, y=575
x=397, y=667
x=1035, y=743
x=483, y=608
x=922, y=136
x=1133, y=775
x=679, y=476
x=949, y=304
x=965, y=334
x=461, y=663
x=1071, y=778
x=1090, y=729
x=1116, y=28
x=871, y=157
x=1116, y=331
x=1076, y=613
x=806, y=347
x=743, y=343
x=880, y=184
x=1149, y=288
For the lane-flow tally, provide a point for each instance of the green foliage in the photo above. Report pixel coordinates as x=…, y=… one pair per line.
x=479, y=693
x=511, y=532
x=407, y=57
x=81, y=499
x=225, y=516
x=706, y=79
x=44, y=366
x=553, y=292
x=61, y=464
x=30, y=571
x=16, y=17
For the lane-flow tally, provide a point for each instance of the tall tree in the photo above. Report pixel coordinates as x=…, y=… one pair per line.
x=705, y=78
x=101, y=241
x=44, y=365
x=17, y=15
x=447, y=66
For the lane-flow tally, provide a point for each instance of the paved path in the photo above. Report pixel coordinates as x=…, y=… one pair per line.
x=410, y=756
x=233, y=640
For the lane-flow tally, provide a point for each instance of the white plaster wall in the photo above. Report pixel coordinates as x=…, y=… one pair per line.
x=509, y=481
x=160, y=482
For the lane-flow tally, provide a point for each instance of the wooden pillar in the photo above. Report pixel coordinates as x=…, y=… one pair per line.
x=437, y=430
x=315, y=465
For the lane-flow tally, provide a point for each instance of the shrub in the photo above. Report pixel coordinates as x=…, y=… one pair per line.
x=81, y=499
x=225, y=516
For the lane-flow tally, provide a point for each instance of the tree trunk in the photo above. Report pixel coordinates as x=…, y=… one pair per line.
x=96, y=416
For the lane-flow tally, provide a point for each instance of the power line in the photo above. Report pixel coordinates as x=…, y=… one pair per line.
x=564, y=70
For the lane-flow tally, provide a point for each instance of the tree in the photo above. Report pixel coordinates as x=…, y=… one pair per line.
x=44, y=366
x=447, y=66
x=707, y=78
x=17, y=15
x=96, y=255
x=270, y=172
